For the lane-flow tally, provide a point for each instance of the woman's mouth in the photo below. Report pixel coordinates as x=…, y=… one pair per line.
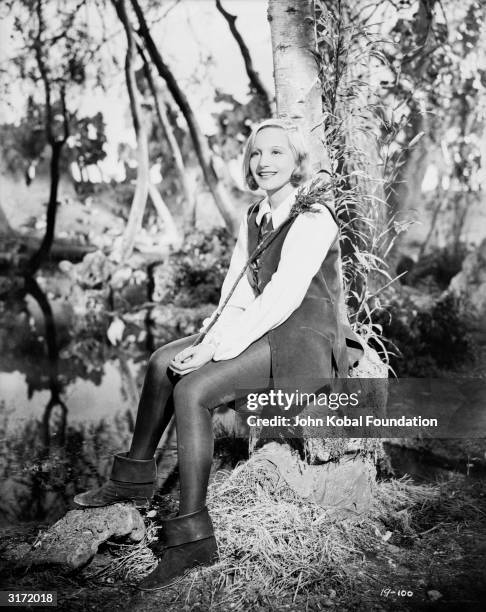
x=266, y=174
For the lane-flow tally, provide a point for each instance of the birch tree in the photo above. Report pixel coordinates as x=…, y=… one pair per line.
x=297, y=84
x=299, y=97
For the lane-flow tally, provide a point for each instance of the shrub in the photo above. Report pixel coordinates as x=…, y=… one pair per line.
x=427, y=341
x=198, y=269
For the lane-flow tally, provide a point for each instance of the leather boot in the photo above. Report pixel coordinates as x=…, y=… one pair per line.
x=189, y=542
x=130, y=480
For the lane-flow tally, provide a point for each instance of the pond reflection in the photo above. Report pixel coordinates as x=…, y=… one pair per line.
x=64, y=409
x=67, y=403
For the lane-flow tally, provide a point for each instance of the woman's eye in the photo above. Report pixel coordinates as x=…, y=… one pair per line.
x=276, y=152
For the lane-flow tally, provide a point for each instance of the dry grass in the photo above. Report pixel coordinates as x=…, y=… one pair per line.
x=272, y=542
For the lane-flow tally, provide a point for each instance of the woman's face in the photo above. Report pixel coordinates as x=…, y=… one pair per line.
x=271, y=159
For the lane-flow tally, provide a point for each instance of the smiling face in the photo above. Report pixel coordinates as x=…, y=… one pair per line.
x=272, y=161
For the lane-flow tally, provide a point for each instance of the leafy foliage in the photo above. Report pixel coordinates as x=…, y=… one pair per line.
x=426, y=342
x=198, y=269
x=398, y=78
x=346, y=46
x=234, y=123
x=87, y=140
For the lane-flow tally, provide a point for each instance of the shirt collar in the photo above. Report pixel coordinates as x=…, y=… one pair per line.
x=280, y=214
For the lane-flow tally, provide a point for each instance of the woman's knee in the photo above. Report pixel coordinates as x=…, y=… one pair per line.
x=188, y=395
x=160, y=359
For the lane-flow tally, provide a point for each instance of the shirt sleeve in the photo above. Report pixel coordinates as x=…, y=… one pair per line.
x=242, y=297
x=304, y=249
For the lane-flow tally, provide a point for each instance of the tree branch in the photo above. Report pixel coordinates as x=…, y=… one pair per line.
x=43, y=71
x=169, y=133
x=201, y=147
x=255, y=81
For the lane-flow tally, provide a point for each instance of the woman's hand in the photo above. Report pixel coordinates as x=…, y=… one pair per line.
x=192, y=358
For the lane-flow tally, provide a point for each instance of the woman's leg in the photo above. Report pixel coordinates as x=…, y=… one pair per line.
x=156, y=406
x=188, y=539
x=194, y=396
x=133, y=474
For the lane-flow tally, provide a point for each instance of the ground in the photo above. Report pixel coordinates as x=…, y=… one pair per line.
x=429, y=556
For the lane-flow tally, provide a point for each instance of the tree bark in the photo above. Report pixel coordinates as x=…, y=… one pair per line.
x=256, y=83
x=134, y=223
x=298, y=87
x=201, y=148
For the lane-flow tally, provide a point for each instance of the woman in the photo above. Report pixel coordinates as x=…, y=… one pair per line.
x=282, y=322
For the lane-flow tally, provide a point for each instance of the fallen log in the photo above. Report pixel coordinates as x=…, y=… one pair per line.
x=16, y=250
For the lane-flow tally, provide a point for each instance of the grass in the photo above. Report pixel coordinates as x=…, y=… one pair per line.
x=278, y=552
x=273, y=545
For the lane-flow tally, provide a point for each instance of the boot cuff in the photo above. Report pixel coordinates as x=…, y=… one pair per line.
x=187, y=528
x=138, y=471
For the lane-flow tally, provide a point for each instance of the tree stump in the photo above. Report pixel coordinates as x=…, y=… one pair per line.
x=337, y=473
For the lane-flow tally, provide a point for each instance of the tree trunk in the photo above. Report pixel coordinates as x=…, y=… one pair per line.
x=5, y=227
x=256, y=83
x=55, y=143
x=299, y=97
x=405, y=192
x=172, y=233
x=297, y=83
x=190, y=203
x=52, y=204
x=134, y=224
x=201, y=148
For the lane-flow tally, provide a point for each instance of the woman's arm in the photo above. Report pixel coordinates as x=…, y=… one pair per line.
x=243, y=295
x=304, y=249
x=193, y=357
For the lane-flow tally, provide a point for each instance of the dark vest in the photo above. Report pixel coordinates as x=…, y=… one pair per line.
x=312, y=344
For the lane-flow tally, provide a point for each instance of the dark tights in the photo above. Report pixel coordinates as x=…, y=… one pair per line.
x=192, y=399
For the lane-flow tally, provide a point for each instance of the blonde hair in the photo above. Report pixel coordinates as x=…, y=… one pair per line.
x=297, y=145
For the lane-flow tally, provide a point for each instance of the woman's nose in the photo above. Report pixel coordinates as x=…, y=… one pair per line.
x=264, y=160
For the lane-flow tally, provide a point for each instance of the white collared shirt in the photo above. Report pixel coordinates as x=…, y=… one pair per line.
x=247, y=318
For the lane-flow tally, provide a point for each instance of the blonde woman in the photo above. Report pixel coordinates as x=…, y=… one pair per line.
x=281, y=323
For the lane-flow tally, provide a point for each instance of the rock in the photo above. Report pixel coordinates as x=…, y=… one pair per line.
x=470, y=282
x=344, y=488
x=75, y=538
x=164, y=282
x=434, y=595
x=91, y=273
x=121, y=276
